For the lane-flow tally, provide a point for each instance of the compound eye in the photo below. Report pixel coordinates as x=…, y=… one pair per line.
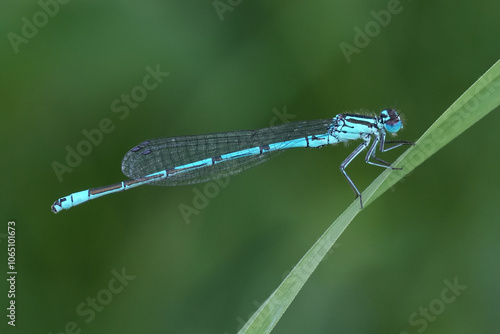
x=391, y=120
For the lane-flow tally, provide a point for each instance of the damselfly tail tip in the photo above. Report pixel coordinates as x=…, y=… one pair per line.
x=56, y=207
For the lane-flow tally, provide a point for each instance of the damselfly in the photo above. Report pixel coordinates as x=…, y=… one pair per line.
x=194, y=159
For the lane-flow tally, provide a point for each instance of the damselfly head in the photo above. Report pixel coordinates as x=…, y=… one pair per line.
x=391, y=120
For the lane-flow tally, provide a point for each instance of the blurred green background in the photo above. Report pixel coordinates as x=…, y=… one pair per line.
x=243, y=65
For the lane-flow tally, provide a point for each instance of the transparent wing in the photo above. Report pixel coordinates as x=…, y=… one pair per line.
x=165, y=153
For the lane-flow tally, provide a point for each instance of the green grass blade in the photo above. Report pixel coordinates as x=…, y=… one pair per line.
x=480, y=99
